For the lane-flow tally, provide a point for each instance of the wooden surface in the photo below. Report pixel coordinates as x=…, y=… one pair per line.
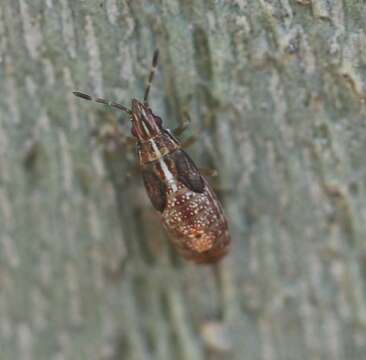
x=278, y=89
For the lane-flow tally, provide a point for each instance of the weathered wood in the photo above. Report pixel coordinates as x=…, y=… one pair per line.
x=279, y=90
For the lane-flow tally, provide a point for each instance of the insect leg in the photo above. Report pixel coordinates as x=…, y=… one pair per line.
x=106, y=133
x=183, y=126
x=208, y=172
x=110, y=135
x=136, y=170
x=189, y=142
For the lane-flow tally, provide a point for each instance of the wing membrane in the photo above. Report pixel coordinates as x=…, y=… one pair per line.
x=187, y=171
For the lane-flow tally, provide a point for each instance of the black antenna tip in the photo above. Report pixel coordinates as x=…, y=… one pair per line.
x=82, y=95
x=155, y=57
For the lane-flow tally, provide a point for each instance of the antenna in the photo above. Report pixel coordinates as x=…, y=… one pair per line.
x=102, y=101
x=151, y=75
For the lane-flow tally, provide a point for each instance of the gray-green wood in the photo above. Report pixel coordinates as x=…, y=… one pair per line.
x=276, y=90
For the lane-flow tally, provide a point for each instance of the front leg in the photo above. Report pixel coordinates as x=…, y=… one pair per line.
x=111, y=136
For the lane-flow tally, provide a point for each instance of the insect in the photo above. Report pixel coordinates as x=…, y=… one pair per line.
x=189, y=209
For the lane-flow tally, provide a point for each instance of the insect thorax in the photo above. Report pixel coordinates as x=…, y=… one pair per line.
x=156, y=148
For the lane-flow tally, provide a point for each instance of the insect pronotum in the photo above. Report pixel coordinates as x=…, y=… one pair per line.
x=189, y=209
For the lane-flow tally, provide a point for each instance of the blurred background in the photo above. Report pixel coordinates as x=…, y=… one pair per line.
x=276, y=94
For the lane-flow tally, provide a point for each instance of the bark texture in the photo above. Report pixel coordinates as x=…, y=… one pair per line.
x=278, y=88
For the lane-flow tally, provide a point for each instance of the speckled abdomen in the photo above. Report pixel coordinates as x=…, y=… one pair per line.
x=196, y=224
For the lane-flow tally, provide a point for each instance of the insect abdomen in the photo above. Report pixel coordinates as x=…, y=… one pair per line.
x=190, y=211
x=196, y=224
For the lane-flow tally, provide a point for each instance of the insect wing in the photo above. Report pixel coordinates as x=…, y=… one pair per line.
x=155, y=188
x=187, y=172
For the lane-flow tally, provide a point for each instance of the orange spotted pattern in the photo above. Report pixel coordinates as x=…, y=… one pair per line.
x=196, y=224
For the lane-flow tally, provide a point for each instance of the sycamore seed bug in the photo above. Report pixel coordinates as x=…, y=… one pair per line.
x=189, y=209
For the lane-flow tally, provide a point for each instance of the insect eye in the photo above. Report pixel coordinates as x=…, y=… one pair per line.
x=158, y=120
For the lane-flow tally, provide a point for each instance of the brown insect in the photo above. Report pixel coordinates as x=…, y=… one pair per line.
x=189, y=209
